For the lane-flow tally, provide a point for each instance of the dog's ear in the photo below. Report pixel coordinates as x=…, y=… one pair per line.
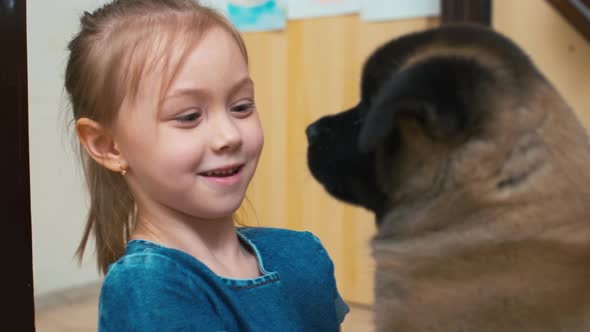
x=442, y=94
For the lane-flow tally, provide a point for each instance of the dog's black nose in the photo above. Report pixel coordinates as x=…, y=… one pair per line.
x=312, y=132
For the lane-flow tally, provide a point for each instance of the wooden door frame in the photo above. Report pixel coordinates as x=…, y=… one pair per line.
x=17, y=275
x=576, y=12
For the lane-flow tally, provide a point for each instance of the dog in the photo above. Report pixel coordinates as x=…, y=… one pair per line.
x=478, y=173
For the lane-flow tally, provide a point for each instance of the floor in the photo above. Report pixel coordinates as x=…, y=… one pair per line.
x=76, y=310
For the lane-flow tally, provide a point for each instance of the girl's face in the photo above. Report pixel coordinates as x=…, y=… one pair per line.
x=195, y=154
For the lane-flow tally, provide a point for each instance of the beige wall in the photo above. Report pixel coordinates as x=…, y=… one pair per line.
x=58, y=199
x=554, y=45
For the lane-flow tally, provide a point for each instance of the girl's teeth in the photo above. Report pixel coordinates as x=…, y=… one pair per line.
x=221, y=173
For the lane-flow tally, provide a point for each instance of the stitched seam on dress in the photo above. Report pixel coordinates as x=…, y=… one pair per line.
x=254, y=285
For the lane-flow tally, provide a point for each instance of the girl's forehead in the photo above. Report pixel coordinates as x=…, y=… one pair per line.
x=164, y=60
x=215, y=57
x=152, y=71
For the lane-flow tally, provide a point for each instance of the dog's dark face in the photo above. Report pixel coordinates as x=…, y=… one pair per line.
x=335, y=160
x=424, y=96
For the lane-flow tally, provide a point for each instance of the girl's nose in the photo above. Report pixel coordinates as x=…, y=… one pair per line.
x=226, y=134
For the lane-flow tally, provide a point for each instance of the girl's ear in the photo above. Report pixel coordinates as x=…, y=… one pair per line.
x=100, y=145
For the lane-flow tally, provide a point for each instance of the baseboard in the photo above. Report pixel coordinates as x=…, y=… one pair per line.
x=67, y=296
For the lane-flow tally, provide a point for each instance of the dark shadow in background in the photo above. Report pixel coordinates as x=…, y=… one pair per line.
x=473, y=11
x=17, y=261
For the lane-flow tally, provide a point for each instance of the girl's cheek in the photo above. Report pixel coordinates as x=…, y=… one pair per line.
x=261, y=141
x=178, y=152
x=256, y=138
x=258, y=132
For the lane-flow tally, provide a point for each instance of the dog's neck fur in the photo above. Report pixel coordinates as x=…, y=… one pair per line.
x=543, y=167
x=428, y=254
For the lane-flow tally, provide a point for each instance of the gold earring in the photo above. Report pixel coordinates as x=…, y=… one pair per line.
x=123, y=171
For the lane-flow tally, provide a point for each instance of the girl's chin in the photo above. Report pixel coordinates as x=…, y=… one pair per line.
x=221, y=212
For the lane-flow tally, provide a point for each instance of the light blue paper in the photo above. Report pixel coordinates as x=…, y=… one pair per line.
x=381, y=10
x=252, y=15
x=300, y=9
x=265, y=16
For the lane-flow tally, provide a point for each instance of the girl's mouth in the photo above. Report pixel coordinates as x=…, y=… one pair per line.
x=223, y=172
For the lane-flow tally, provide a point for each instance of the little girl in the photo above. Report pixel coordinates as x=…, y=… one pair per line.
x=170, y=138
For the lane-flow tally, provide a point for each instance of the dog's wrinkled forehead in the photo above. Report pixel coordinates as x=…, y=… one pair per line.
x=459, y=39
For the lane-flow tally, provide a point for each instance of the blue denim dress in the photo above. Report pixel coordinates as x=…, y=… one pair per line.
x=154, y=288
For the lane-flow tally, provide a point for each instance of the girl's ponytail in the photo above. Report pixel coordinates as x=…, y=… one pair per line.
x=111, y=215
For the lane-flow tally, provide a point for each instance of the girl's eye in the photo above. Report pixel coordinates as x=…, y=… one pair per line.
x=243, y=109
x=188, y=117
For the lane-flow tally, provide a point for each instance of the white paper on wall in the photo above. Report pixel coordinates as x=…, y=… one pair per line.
x=300, y=9
x=220, y=5
x=381, y=10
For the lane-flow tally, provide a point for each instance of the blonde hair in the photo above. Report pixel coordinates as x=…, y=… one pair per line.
x=118, y=44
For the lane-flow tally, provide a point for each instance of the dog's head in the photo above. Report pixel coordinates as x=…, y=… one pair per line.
x=455, y=110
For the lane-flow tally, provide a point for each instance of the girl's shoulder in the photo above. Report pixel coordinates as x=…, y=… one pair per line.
x=149, y=263
x=279, y=244
x=144, y=260
x=150, y=288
